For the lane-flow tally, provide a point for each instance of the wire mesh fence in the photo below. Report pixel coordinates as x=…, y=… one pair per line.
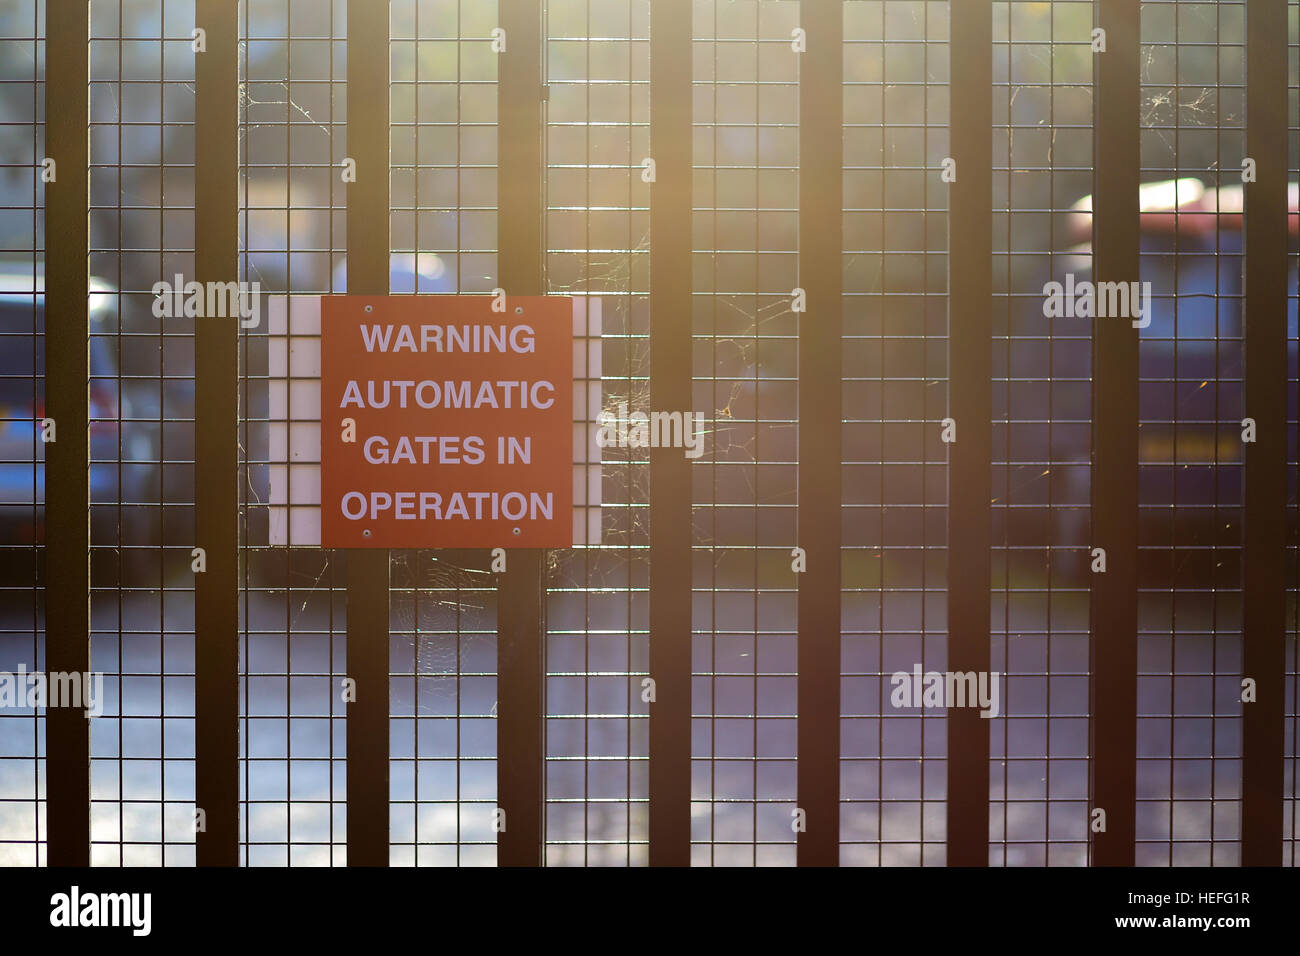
x=745, y=173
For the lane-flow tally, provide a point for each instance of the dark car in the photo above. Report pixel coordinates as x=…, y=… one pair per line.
x=1191, y=248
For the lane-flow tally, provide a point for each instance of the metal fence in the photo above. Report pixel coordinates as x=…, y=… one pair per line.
x=829, y=228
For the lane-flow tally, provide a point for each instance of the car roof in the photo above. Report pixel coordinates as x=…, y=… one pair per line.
x=1185, y=205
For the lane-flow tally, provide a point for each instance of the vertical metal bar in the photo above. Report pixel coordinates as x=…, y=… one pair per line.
x=521, y=631
x=970, y=404
x=1116, y=248
x=1264, y=604
x=520, y=639
x=670, y=472
x=367, y=615
x=821, y=174
x=216, y=428
x=67, y=402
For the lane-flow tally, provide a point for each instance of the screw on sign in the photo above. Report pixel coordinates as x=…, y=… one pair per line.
x=463, y=422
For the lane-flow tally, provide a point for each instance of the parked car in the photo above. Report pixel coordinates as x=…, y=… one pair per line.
x=22, y=408
x=1191, y=248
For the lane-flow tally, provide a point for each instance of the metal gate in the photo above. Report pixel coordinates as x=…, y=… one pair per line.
x=829, y=227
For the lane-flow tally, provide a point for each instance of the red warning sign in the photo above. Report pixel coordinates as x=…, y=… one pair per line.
x=446, y=421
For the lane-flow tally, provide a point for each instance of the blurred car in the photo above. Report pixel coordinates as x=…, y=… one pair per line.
x=1191, y=248
x=22, y=408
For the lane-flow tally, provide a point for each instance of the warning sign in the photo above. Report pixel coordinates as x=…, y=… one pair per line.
x=446, y=423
